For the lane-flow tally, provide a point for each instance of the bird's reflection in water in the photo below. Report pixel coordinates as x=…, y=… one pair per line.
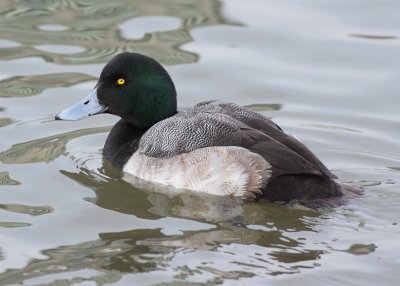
x=253, y=226
x=151, y=201
x=235, y=220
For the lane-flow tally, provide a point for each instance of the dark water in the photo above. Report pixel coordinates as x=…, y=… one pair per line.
x=327, y=71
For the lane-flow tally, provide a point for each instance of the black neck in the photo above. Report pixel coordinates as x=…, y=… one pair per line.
x=122, y=142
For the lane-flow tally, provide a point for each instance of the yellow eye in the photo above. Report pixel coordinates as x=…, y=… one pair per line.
x=120, y=81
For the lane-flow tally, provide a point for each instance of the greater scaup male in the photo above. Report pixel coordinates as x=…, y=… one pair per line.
x=216, y=147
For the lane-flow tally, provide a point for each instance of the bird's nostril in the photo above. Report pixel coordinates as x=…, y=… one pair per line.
x=86, y=102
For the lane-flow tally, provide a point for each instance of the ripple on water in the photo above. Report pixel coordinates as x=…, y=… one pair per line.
x=138, y=27
x=5, y=121
x=11, y=224
x=24, y=209
x=44, y=149
x=20, y=86
x=93, y=28
x=60, y=49
x=374, y=37
x=6, y=180
x=362, y=249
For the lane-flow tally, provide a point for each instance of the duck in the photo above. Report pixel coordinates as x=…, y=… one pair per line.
x=216, y=147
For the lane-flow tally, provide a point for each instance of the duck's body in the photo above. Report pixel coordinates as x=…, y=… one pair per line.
x=216, y=147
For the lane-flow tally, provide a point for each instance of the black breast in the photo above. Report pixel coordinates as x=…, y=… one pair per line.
x=122, y=142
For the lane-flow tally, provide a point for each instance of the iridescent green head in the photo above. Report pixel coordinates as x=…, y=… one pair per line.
x=132, y=86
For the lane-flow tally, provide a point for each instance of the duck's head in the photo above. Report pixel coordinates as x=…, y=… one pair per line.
x=132, y=86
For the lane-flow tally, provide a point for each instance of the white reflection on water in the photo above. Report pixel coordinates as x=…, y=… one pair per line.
x=53, y=27
x=138, y=27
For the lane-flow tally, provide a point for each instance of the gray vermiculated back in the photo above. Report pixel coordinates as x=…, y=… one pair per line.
x=241, y=113
x=188, y=131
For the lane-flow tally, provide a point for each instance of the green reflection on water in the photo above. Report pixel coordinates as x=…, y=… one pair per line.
x=265, y=107
x=112, y=254
x=113, y=193
x=374, y=37
x=23, y=209
x=5, y=121
x=11, y=224
x=45, y=149
x=30, y=85
x=145, y=250
x=94, y=25
x=6, y=180
x=362, y=249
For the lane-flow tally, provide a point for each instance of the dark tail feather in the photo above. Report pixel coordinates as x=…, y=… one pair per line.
x=348, y=193
x=311, y=191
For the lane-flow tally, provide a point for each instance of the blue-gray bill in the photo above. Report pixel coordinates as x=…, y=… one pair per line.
x=88, y=106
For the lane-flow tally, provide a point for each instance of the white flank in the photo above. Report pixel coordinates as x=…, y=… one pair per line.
x=233, y=171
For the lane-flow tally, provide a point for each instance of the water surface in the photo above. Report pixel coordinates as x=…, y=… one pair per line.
x=327, y=71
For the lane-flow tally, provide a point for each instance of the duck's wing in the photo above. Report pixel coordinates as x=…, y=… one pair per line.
x=284, y=160
x=263, y=124
x=194, y=129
